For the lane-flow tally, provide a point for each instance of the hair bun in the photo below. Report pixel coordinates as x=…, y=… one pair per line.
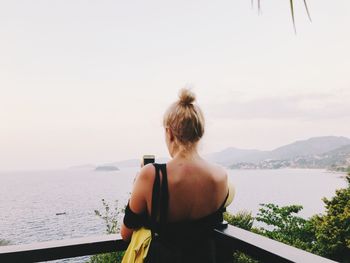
x=186, y=97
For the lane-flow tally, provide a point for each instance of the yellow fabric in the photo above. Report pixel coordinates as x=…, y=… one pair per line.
x=138, y=247
x=231, y=194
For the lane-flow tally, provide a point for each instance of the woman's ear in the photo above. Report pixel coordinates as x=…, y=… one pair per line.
x=171, y=135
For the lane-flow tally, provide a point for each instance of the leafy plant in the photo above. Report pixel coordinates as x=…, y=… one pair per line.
x=111, y=217
x=284, y=225
x=332, y=230
x=114, y=257
x=240, y=257
x=242, y=219
x=4, y=242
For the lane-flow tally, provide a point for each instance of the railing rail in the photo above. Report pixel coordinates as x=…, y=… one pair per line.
x=263, y=248
x=228, y=240
x=66, y=248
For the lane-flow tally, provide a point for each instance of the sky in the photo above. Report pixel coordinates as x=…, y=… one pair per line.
x=88, y=82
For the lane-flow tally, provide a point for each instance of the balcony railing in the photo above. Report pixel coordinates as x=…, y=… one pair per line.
x=228, y=240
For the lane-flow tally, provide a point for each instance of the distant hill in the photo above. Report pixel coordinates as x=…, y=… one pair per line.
x=317, y=152
x=106, y=168
x=134, y=162
x=312, y=146
x=340, y=152
x=338, y=159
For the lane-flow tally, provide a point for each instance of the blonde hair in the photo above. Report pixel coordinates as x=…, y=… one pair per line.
x=185, y=119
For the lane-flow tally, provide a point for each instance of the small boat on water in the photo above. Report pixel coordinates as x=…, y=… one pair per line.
x=59, y=214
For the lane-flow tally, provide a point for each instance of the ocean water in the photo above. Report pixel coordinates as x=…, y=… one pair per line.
x=304, y=187
x=52, y=205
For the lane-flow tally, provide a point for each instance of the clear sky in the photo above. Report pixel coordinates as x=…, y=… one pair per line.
x=88, y=81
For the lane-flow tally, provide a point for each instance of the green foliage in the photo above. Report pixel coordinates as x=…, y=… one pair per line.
x=114, y=257
x=332, y=230
x=239, y=257
x=111, y=218
x=285, y=226
x=337, y=168
x=4, y=242
x=326, y=234
x=242, y=219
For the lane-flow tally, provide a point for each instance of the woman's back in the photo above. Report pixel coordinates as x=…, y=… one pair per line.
x=186, y=234
x=196, y=189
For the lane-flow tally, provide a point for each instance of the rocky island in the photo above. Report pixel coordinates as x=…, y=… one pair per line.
x=106, y=168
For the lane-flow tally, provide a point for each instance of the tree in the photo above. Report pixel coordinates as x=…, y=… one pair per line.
x=111, y=217
x=284, y=225
x=326, y=234
x=332, y=230
x=242, y=219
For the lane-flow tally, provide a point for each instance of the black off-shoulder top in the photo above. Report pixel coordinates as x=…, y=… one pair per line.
x=188, y=230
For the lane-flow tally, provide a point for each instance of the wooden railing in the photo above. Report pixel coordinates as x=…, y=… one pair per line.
x=228, y=240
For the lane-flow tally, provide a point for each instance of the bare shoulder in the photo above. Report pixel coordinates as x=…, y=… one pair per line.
x=222, y=173
x=141, y=189
x=146, y=174
x=220, y=179
x=219, y=172
x=144, y=180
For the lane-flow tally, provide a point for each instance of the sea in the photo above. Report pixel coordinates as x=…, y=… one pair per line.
x=40, y=206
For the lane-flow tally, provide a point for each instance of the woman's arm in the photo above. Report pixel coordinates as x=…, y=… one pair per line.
x=138, y=201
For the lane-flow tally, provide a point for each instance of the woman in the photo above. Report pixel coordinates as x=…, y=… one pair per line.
x=195, y=190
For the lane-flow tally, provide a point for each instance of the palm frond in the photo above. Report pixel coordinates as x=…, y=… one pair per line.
x=291, y=9
x=307, y=10
x=293, y=17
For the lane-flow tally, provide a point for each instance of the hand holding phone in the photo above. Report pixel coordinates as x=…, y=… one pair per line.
x=148, y=159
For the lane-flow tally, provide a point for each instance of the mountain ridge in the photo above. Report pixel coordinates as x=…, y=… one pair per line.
x=311, y=146
x=315, y=152
x=328, y=152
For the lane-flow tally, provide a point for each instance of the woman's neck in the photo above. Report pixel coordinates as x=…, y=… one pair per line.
x=188, y=154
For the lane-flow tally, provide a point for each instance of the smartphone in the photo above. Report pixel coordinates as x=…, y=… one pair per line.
x=148, y=159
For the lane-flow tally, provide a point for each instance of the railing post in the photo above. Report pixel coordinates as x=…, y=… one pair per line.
x=224, y=250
